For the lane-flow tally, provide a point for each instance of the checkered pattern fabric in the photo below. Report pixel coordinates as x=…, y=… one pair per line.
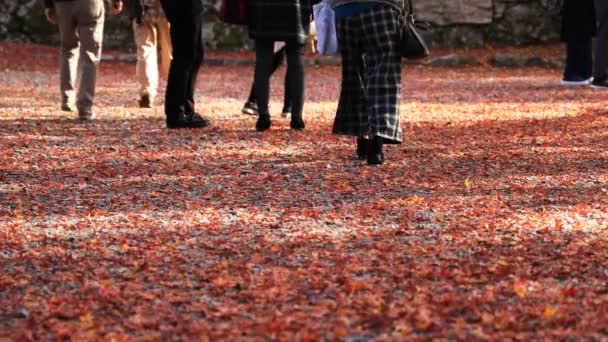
x=371, y=74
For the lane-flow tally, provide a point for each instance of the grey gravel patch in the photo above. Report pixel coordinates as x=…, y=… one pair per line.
x=508, y=60
x=238, y=61
x=453, y=60
x=536, y=62
x=129, y=58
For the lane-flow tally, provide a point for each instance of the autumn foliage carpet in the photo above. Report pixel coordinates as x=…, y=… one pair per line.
x=489, y=222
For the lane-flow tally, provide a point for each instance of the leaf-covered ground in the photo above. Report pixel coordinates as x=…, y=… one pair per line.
x=489, y=222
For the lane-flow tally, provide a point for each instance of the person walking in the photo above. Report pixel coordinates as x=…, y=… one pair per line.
x=151, y=34
x=80, y=25
x=368, y=38
x=601, y=49
x=578, y=29
x=251, y=106
x=186, y=25
x=287, y=21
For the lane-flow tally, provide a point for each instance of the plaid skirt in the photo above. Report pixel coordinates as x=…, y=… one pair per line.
x=371, y=74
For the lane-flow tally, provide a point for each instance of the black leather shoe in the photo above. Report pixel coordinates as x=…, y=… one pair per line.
x=188, y=121
x=362, y=148
x=66, y=107
x=250, y=108
x=144, y=101
x=600, y=83
x=196, y=117
x=297, y=123
x=375, y=155
x=263, y=122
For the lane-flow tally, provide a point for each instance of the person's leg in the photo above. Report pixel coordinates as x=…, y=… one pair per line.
x=287, y=105
x=579, y=62
x=261, y=82
x=277, y=61
x=184, y=35
x=197, y=61
x=383, y=62
x=164, y=45
x=381, y=29
x=295, y=82
x=90, y=29
x=250, y=107
x=69, y=54
x=146, y=69
x=601, y=49
x=586, y=58
x=351, y=114
x=179, y=70
x=278, y=58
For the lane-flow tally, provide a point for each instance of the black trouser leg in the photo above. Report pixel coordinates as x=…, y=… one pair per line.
x=295, y=78
x=277, y=60
x=579, y=60
x=601, y=49
x=199, y=54
x=251, y=98
x=186, y=37
x=263, y=69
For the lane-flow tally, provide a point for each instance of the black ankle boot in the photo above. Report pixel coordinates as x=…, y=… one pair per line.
x=296, y=123
x=375, y=155
x=362, y=148
x=263, y=122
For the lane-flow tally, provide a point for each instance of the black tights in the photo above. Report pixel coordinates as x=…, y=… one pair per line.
x=277, y=60
x=266, y=63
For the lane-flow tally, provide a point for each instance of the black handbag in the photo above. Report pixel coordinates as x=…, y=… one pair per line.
x=413, y=45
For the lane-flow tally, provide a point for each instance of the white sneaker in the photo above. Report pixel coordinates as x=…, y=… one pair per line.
x=567, y=83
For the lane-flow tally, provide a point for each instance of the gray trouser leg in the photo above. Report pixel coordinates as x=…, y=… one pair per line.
x=81, y=31
x=69, y=51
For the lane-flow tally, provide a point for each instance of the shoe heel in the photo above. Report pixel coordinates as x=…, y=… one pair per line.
x=297, y=123
x=263, y=123
x=250, y=108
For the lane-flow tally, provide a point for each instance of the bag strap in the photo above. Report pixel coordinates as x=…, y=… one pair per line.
x=409, y=14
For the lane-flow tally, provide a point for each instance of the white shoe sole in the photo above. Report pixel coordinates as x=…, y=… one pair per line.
x=576, y=83
x=249, y=111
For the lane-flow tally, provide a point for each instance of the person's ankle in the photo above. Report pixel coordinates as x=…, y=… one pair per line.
x=375, y=155
x=263, y=122
x=362, y=148
x=297, y=123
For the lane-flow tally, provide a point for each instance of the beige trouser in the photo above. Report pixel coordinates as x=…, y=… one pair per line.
x=151, y=36
x=81, y=34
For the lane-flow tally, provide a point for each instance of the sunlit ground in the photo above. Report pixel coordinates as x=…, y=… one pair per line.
x=488, y=222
